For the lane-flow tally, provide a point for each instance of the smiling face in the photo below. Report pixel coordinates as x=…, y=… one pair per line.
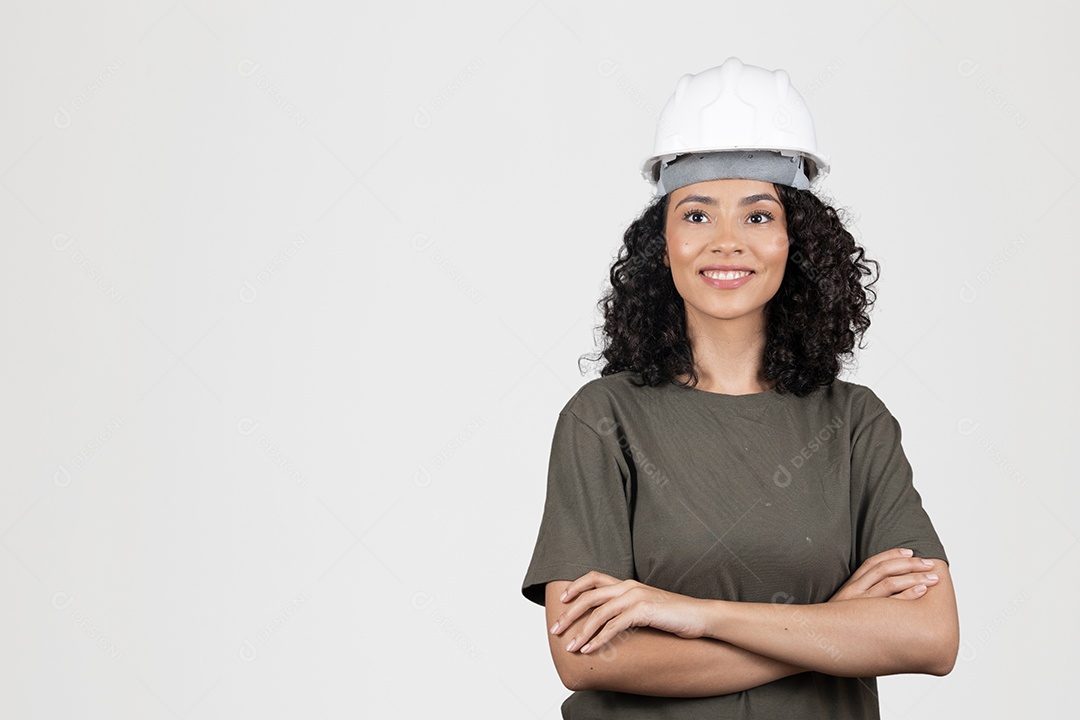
x=727, y=246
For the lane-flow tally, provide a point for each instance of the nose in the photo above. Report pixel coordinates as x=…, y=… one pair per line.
x=727, y=238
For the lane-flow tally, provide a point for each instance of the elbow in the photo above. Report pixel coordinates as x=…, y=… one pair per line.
x=572, y=678
x=574, y=684
x=572, y=672
x=941, y=666
x=944, y=660
x=584, y=672
x=940, y=636
x=944, y=645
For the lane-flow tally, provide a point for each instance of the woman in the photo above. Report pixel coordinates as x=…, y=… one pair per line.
x=730, y=530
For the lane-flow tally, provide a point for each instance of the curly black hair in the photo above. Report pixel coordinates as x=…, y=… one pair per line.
x=813, y=323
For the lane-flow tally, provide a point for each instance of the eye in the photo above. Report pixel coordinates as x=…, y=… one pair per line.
x=695, y=214
x=765, y=216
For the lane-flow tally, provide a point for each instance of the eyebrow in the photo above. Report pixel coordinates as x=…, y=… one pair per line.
x=707, y=200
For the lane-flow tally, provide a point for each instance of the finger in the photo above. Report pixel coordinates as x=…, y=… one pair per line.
x=884, y=579
x=890, y=568
x=589, y=580
x=588, y=600
x=893, y=586
x=594, y=633
x=913, y=593
x=596, y=620
x=881, y=557
x=874, y=560
x=605, y=603
x=901, y=566
x=608, y=633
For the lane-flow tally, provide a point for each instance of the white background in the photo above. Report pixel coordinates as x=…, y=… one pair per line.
x=293, y=294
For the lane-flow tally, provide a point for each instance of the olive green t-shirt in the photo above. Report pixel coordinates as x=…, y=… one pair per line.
x=755, y=498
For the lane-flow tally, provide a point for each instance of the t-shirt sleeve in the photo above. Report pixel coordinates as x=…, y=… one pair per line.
x=586, y=522
x=889, y=511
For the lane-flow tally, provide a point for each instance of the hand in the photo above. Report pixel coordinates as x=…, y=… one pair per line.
x=892, y=574
x=621, y=604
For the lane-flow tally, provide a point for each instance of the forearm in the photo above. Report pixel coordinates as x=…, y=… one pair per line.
x=851, y=638
x=647, y=661
x=884, y=620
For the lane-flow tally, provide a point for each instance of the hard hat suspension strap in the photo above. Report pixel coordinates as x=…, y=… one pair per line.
x=766, y=165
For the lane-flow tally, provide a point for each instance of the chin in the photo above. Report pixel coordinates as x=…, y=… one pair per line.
x=731, y=314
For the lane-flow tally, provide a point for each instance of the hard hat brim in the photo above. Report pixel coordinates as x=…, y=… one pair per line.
x=650, y=166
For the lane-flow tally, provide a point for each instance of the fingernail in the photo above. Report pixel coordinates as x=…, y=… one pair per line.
x=931, y=576
x=555, y=628
x=906, y=552
x=919, y=589
x=586, y=647
x=565, y=593
x=571, y=645
x=928, y=563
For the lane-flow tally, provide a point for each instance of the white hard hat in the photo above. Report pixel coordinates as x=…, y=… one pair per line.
x=736, y=107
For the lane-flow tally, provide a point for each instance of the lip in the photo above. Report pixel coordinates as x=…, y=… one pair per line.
x=725, y=284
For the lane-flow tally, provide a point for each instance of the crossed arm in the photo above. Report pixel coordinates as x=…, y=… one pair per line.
x=894, y=615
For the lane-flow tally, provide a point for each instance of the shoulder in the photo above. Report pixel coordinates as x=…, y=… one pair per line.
x=858, y=397
x=605, y=396
x=868, y=418
x=858, y=403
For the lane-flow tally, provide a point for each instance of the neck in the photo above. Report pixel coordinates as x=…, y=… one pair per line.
x=728, y=353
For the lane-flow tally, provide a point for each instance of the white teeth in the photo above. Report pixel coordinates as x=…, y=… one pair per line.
x=726, y=275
